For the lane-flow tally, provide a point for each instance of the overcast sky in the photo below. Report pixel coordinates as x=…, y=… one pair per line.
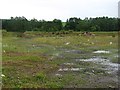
x=60, y=9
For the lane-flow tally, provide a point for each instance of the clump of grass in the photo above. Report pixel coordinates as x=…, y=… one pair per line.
x=114, y=60
x=41, y=76
x=54, y=85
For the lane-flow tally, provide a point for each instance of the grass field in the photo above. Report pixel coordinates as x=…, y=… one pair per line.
x=47, y=60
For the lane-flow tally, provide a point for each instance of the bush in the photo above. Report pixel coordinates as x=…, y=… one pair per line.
x=71, y=31
x=4, y=32
x=36, y=29
x=19, y=34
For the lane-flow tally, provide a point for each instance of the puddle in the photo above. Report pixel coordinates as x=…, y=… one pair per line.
x=56, y=54
x=68, y=63
x=42, y=46
x=64, y=69
x=76, y=69
x=70, y=69
x=73, y=51
x=105, y=63
x=116, y=56
x=101, y=51
x=59, y=75
x=95, y=59
x=109, y=66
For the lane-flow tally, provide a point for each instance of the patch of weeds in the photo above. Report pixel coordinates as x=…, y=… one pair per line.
x=114, y=59
x=94, y=71
x=67, y=79
x=53, y=84
x=41, y=76
x=85, y=64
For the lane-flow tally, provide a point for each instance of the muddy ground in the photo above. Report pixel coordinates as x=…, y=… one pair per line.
x=60, y=62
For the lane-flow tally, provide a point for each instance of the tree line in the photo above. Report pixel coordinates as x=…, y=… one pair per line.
x=21, y=24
